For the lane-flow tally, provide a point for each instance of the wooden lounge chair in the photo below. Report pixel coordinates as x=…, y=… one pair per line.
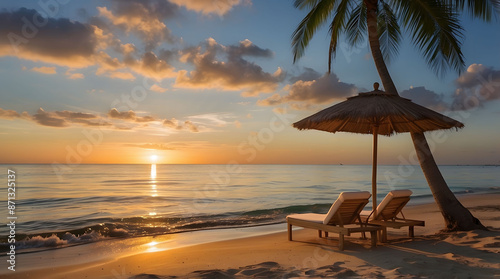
x=342, y=218
x=387, y=213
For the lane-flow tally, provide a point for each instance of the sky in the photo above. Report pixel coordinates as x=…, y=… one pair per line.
x=213, y=82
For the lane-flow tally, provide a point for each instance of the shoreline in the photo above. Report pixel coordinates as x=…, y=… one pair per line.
x=212, y=253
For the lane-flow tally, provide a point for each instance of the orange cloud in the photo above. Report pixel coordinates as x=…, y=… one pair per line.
x=233, y=74
x=45, y=70
x=60, y=41
x=74, y=44
x=304, y=93
x=74, y=75
x=157, y=88
x=131, y=117
x=151, y=65
x=9, y=114
x=121, y=75
x=219, y=7
x=191, y=126
x=143, y=18
x=174, y=124
x=61, y=119
x=125, y=115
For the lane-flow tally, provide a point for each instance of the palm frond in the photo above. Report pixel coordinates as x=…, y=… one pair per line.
x=308, y=26
x=301, y=4
x=389, y=31
x=481, y=9
x=435, y=30
x=337, y=27
x=356, y=25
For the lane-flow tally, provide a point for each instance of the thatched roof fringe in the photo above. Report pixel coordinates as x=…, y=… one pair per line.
x=392, y=114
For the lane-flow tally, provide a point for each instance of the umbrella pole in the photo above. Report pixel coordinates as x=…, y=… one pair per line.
x=374, y=169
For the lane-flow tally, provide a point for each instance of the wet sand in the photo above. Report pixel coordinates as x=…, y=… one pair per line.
x=430, y=254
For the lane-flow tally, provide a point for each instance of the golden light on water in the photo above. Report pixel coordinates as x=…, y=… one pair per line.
x=154, y=191
x=152, y=246
x=153, y=170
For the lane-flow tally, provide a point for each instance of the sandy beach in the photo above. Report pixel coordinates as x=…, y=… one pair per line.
x=431, y=254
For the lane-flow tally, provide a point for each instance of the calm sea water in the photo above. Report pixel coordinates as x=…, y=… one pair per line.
x=94, y=202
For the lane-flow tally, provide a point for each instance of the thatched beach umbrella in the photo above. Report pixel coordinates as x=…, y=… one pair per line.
x=377, y=113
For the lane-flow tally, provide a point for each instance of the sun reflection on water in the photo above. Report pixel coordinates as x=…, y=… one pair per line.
x=153, y=171
x=152, y=246
x=154, y=191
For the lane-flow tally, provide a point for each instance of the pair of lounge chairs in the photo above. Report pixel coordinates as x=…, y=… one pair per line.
x=346, y=217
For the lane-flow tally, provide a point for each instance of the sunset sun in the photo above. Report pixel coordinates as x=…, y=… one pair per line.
x=153, y=158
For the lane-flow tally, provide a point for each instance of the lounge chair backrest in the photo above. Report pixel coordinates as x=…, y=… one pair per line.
x=345, y=210
x=392, y=204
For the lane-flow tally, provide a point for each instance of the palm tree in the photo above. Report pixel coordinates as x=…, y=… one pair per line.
x=434, y=27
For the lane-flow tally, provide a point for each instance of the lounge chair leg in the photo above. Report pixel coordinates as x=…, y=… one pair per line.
x=326, y=234
x=411, y=232
x=289, y=232
x=382, y=234
x=341, y=242
x=373, y=236
x=320, y=234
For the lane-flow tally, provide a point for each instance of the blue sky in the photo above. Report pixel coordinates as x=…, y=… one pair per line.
x=214, y=82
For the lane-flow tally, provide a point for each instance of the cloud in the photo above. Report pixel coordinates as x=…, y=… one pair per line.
x=131, y=117
x=309, y=74
x=246, y=47
x=71, y=75
x=218, y=7
x=125, y=115
x=477, y=85
x=121, y=75
x=152, y=66
x=304, y=93
x=58, y=119
x=156, y=88
x=425, y=97
x=26, y=34
x=147, y=118
x=127, y=120
x=75, y=115
x=48, y=119
x=174, y=124
x=143, y=18
x=149, y=65
x=61, y=119
x=280, y=110
x=9, y=114
x=214, y=119
x=191, y=126
x=45, y=70
x=234, y=74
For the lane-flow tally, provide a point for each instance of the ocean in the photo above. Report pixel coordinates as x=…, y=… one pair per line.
x=89, y=203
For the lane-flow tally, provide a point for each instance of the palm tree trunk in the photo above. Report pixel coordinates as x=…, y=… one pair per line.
x=378, y=58
x=456, y=216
